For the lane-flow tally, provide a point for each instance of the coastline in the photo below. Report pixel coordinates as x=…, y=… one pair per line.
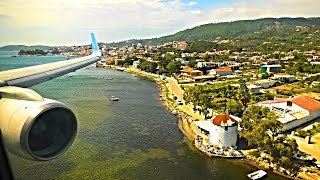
x=185, y=127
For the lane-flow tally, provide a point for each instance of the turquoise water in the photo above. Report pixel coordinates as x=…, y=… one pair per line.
x=135, y=138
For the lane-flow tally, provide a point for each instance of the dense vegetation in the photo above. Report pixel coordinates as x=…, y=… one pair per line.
x=281, y=34
x=218, y=97
x=33, y=52
x=262, y=129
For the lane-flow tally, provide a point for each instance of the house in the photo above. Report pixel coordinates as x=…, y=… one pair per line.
x=182, y=45
x=222, y=130
x=207, y=64
x=295, y=111
x=290, y=78
x=253, y=89
x=316, y=56
x=265, y=83
x=270, y=68
x=188, y=72
x=221, y=71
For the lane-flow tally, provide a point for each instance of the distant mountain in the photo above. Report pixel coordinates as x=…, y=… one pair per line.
x=260, y=29
x=23, y=47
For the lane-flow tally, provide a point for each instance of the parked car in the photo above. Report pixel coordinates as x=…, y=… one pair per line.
x=179, y=102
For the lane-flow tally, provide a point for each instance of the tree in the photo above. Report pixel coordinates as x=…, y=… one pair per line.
x=128, y=60
x=173, y=67
x=243, y=95
x=192, y=63
x=199, y=97
x=147, y=66
x=261, y=128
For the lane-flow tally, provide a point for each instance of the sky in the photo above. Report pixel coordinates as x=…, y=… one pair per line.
x=69, y=22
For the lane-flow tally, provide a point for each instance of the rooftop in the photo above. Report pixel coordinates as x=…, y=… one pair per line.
x=306, y=102
x=223, y=120
x=273, y=65
x=226, y=69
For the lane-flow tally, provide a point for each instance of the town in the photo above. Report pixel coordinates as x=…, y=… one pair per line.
x=269, y=99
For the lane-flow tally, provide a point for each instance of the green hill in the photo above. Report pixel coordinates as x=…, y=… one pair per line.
x=23, y=47
x=267, y=29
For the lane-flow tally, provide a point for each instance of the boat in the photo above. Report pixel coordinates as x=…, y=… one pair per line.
x=70, y=75
x=257, y=174
x=109, y=78
x=120, y=68
x=114, y=98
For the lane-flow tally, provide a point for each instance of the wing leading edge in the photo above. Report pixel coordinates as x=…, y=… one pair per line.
x=29, y=76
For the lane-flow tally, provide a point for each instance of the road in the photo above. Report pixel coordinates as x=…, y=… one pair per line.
x=177, y=91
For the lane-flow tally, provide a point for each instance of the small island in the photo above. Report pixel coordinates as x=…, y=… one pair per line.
x=36, y=52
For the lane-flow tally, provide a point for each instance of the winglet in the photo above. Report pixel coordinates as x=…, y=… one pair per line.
x=95, y=47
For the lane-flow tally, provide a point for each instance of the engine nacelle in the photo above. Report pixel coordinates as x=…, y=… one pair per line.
x=34, y=127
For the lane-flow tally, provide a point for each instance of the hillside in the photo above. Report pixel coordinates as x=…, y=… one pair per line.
x=23, y=47
x=280, y=29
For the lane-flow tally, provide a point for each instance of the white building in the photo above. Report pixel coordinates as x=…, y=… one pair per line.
x=291, y=78
x=135, y=64
x=295, y=111
x=222, y=130
x=265, y=83
x=254, y=89
x=221, y=71
x=270, y=68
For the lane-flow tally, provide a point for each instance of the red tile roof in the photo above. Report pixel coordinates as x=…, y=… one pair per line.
x=226, y=69
x=306, y=102
x=187, y=70
x=223, y=120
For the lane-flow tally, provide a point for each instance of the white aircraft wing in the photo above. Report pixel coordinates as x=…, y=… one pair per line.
x=29, y=76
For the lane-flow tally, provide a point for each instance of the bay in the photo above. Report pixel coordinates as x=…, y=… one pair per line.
x=135, y=138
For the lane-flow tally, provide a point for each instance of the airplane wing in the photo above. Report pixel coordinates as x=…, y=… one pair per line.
x=31, y=126
x=29, y=76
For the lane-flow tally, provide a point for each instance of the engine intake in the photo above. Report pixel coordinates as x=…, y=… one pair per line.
x=35, y=129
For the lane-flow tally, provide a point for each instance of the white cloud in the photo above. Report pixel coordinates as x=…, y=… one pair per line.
x=69, y=21
x=191, y=3
x=254, y=9
x=114, y=20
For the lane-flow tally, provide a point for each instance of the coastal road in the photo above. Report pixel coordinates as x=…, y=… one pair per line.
x=177, y=91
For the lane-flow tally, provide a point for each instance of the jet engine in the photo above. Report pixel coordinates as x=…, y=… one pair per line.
x=34, y=127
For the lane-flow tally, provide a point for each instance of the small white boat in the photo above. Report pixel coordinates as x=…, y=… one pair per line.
x=257, y=174
x=109, y=78
x=114, y=98
x=120, y=68
x=70, y=75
